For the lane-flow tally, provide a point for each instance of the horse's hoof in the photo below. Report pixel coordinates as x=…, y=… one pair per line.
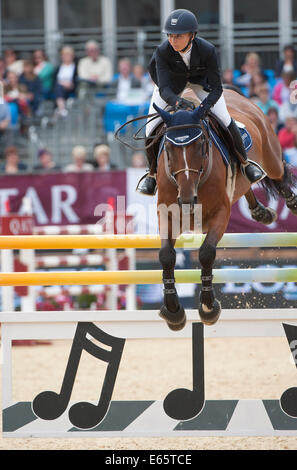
x=291, y=204
x=210, y=317
x=177, y=320
x=264, y=215
x=271, y=216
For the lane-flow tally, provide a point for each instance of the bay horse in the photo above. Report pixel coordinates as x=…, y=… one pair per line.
x=184, y=178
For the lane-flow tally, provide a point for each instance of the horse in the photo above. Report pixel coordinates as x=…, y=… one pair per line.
x=186, y=176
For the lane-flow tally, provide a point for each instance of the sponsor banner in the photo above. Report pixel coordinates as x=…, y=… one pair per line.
x=143, y=208
x=63, y=198
x=231, y=295
x=72, y=198
x=241, y=220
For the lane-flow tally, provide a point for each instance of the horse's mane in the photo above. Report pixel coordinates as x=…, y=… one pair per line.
x=189, y=94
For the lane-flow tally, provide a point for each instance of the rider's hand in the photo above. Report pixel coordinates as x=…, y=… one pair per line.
x=182, y=103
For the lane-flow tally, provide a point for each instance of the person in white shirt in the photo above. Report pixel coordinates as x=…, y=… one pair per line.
x=102, y=158
x=94, y=69
x=65, y=79
x=12, y=63
x=125, y=84
x=79, y=155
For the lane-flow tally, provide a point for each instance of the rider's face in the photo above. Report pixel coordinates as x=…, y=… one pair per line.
x=179, y=41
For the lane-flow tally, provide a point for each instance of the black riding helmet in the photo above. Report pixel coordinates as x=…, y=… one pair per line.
x=181, y=22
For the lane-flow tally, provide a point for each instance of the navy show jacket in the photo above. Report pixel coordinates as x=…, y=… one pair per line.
x=170, y=73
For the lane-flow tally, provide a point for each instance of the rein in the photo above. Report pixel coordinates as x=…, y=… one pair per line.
x=163, y=131
x=155, y=137
x=139, y=118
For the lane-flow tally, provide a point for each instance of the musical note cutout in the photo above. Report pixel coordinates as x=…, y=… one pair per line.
x=83, y=415
x=288, y=400
x=184, y=404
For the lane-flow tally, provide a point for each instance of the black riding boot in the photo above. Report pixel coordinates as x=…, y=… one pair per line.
x=251, y=170
x=148, y=183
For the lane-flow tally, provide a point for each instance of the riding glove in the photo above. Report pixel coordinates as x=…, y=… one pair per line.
x=182, y=103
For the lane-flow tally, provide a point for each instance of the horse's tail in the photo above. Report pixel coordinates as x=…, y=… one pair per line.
x=233, y=87
x=272, y=187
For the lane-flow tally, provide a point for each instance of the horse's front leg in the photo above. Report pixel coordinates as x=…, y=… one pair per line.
x=209, y=306
x=171, y=311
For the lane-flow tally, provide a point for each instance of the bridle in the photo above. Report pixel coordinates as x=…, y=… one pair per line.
x=206, y=152
x=207, y=145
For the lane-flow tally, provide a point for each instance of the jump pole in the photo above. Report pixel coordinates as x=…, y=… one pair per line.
x=183, y=276
x=229, y=240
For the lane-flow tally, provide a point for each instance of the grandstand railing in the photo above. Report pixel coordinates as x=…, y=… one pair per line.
x=263, y=38
x=140, y=42
x=294, y=33
x=82, y=126
x=129, y=41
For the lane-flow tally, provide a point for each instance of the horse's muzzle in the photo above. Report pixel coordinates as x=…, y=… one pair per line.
x=187, y=206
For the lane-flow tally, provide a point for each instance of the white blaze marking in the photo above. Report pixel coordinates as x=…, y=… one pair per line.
x=186, y=163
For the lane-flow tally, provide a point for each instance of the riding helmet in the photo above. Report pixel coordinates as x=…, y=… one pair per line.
x=181, y=22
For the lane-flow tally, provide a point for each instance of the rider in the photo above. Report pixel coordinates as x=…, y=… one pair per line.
x=185, y=60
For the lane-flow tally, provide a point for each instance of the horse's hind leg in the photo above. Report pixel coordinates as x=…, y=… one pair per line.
x=262, y=214
x=171, y=311
x=284, y=188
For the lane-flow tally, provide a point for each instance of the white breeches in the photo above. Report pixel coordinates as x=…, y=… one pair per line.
x=219, y=109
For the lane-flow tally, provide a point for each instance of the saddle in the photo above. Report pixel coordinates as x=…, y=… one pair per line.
x=222, y=131
x=217, y=126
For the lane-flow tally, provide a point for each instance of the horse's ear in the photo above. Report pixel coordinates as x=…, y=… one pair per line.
x=197, y=114
x=164, y=114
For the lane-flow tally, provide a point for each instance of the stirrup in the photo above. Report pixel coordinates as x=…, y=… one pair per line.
x=147, y=175
x=263, y=172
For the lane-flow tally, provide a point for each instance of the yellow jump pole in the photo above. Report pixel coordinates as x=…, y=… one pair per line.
x=229, y=240
x=144, y=277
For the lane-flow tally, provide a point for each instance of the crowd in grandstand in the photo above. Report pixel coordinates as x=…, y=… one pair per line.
x=27, y=83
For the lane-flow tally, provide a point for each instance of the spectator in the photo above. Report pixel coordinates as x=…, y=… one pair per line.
x=11, y=62
x=45, y=71
x=287, y=135
x=251, y=66
x=65, y=79
x=228, y=78
x=125, y=81
x=288, y=140
x=79, y=155
x=33, y=85
x=288, y=63
x=264, y=101
x=94, y=69
x=2, y=70
x=145, y=82
x=5, y=121
x=46, y=162
x=258, y=79
x=273, y=117
x=12, y=164
x=102, y=158
x=287, y=109
x=138, y=160
x=16, y=93
x=281, y=92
